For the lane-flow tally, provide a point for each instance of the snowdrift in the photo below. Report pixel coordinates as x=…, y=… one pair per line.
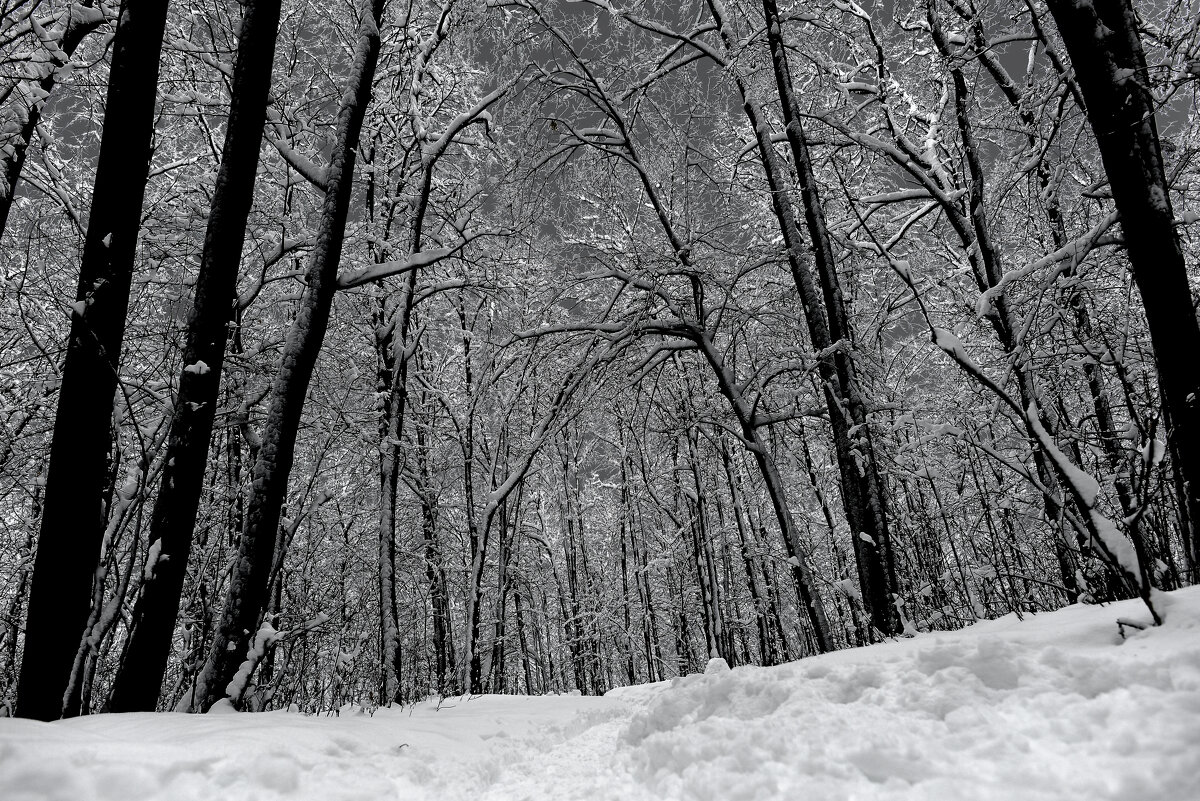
x=1057, y=706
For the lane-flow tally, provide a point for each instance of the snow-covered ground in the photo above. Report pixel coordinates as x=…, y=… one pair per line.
x=1055, y=707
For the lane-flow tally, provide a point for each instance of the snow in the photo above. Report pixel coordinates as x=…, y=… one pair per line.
x=951, y=344
x=385, y=269
x=1153, y=451
x=263, y=638
x=1055, y=706
x=153, y=557
x=716, y=665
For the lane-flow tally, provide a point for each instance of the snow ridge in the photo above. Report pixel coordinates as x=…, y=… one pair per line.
x=1057, y=705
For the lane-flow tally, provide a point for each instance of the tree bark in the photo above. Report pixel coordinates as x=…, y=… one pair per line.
x=73, y=520
x=173, y=520
x=248, y=588
x=1102, y=40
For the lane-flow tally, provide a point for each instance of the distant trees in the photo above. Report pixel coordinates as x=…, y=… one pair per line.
x=536, y=347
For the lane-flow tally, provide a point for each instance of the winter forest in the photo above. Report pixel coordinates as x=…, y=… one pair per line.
x=363, y=351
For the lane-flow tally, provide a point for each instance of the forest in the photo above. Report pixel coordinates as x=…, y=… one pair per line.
x=371, y=350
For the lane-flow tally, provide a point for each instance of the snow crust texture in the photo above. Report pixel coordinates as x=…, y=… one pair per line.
x=1057, y=706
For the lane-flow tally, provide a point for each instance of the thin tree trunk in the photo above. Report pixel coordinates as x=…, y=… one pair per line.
x=863, y=493
x=80, y=20
x=715, y=635
x=650, y=638
x=810, y=598
x=977, y=238
x=395, y=352
x=527, y=656
x=435, y=571
x=625, y=534
x=497, y=677
x=875, y=575
x=391, y=425
x=767, y=652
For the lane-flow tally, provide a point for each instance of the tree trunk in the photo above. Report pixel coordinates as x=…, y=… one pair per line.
x=248, y=588
x=978, y=240
x=649, y=623
x=395, y=351
x=763, y=609
x=1102, y=39
x=74, y=518
x=863, y=494
x=810, y=597
x=173, y=520
x=435, y=571
x=715, y=634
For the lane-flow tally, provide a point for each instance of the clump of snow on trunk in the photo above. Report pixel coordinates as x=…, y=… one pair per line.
x=263, y=640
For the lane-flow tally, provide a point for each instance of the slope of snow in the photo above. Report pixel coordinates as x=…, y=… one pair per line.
x=1057, y=706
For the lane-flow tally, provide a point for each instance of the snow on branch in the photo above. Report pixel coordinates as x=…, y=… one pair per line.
x=477, y=113
x=306, y=167
x=1086, y=490
x=394, y=267
x=264, y=638
x=1116, y=548
x=1072, y=251
x=416, y=261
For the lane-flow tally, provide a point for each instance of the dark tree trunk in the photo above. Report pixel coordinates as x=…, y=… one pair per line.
x=496, y=677
x=863, y=493
x=763, y=608
x=249, y=583
x=1102, y=40
x=74, y=517
x=173, y=521
x=527, y=655
x=650, y=637
x=716, y=639
x=395, y=351
x=392, y=386
x=435, y=571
